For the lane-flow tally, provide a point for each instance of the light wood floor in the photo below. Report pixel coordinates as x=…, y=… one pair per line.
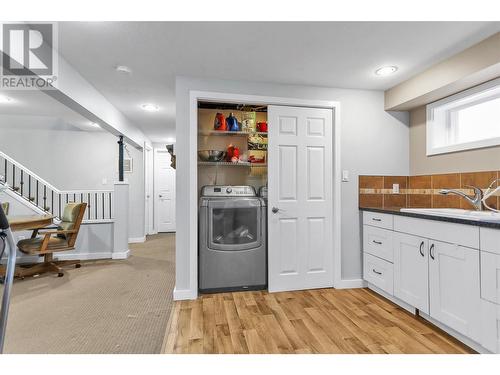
x=312, y=321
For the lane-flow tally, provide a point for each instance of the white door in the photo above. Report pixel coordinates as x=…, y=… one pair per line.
x=300, y=207
x=165, y=192
x=454, y=287
x=411, y=273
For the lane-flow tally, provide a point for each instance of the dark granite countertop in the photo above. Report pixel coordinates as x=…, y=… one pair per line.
x=397, y=211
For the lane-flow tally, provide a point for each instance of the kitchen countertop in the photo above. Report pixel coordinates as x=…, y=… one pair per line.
x=397, y=211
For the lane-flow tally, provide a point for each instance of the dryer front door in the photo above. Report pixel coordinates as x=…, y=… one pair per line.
x=234, y=224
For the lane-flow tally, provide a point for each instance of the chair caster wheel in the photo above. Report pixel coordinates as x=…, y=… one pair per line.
x=60, y=274
x=2, y=280
x=78, y=265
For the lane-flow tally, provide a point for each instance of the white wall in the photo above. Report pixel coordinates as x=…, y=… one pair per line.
x=136, y=194
x=73, y=159
x=372, y=142
x=64, y=156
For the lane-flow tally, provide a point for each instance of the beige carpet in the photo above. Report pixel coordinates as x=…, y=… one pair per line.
x=115, y=306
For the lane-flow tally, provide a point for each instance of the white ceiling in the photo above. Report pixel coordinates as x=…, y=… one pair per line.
x=333, y=54
x=33, y=109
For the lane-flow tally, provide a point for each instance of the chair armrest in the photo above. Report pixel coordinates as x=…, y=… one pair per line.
x=36, y=230
x=47, y=235
x=50, y=232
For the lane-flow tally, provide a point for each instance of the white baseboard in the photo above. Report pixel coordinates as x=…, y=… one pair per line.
x=350, y=284
x=84, y=256
x=121, y=255
x=184, y=294
x=27, y=259
x=137, y=239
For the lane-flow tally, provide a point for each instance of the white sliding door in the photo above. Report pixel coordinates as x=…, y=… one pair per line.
x=300, y=213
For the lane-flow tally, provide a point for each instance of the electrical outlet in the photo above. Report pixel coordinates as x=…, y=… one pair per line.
x=395, y=188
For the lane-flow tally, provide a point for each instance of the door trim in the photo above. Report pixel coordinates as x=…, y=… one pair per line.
x=194, y=97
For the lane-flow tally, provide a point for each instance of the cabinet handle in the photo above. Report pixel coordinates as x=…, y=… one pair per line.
x=375, y=271
x=431, y=252
x=375, y=219
x=422, y=249
x=377, y=242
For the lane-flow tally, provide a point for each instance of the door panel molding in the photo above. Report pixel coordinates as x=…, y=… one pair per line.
x=300, y=185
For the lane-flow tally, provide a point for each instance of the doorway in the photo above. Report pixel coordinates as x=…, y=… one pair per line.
x=164, y=192
x=187, y=261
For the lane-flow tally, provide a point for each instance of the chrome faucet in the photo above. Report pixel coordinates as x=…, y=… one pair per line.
x=476, y=201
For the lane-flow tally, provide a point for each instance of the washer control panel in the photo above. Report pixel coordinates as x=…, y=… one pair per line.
x=227, y=191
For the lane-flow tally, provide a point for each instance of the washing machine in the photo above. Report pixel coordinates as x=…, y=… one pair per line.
x=232, y=239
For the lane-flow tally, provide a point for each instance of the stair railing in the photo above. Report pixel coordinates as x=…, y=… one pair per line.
x=40, y=193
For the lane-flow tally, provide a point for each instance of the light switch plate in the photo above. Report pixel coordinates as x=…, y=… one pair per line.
x=345, y=176
x=395, y=188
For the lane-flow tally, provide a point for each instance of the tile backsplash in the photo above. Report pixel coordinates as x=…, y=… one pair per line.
x=423, y=191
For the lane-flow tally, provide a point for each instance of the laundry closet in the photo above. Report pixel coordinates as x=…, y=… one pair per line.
x=232, y=180
x=249, y=157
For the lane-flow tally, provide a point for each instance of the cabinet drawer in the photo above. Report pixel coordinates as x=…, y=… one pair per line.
x=459, y=234
x=377, y=219
x=379, y=273
x=490, y=326
x=378, y=242
x=490, y=240
x=490, y=277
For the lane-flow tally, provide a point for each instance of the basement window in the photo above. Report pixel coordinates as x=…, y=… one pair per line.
x=465, y=121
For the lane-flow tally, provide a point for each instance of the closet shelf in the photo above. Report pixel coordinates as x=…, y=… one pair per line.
x=229, y=133
x=230, y=164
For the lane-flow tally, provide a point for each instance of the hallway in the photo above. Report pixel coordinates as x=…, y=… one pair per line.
x=106, y=306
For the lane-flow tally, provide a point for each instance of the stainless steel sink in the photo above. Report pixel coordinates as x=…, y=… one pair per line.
x=457, y=213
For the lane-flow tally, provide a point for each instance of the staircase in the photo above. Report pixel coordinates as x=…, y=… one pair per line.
x=33, y=190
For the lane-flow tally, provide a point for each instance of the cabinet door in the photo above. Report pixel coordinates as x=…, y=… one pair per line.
x=411, y=272
x=454, y=287
x=490, y=326
x=490, y=276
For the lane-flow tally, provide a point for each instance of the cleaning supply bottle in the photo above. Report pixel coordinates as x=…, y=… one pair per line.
x=232, y=123
x=220, y=122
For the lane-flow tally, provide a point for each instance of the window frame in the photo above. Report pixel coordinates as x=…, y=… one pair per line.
x=436, y=128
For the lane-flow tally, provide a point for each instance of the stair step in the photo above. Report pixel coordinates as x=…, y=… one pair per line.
x=16, y=188
x=32, y=199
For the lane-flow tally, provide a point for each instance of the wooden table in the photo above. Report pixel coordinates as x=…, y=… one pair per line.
x=19, y=223
x=25, y=222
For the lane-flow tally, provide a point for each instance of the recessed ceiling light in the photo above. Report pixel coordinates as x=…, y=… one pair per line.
x=386, y=70
x=5, y=99
x=94, y=125
x=123, y=69
x=149, y=107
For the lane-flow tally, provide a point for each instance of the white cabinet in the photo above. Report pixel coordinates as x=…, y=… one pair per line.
x=490, y=289
x=490, y=326
x=378, y=272
x=378, y=242
x=454, y=287
x=378, y=219
x=490, y=277
x=448, y=271
x=411, y=278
